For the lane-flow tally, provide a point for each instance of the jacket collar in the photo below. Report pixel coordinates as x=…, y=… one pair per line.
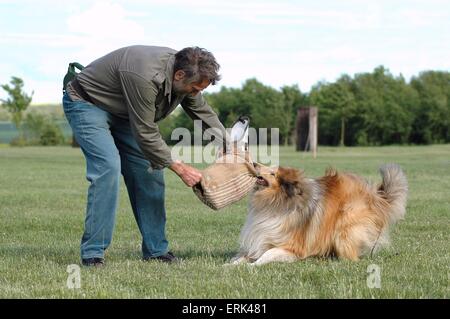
x=169, y=77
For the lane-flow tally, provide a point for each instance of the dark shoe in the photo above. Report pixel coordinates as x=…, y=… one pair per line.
x=96, y=262
x=167, y=258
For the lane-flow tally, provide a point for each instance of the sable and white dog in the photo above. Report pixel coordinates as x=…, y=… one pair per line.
x=292, y=217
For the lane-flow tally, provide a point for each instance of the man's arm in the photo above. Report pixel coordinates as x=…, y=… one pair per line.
x=198, y=109
x=140, y=98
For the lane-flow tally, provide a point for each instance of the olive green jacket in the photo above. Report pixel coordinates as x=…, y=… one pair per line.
x=136, y=83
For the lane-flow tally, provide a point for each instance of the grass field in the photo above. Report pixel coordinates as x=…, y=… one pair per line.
x=42, y=202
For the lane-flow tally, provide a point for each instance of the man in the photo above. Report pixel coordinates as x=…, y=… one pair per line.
x=113, y=107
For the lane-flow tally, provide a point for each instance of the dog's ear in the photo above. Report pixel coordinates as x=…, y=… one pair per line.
x=289, y=179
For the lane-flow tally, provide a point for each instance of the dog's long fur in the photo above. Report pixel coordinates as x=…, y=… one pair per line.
x=292, y=217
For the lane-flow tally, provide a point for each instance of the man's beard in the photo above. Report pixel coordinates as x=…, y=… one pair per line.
x=179, y=87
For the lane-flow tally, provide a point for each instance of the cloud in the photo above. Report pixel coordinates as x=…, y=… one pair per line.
x=103, y=27
x=93, y=32
x=105, y=20
x=273, y=13
x=42, y=39
x=279, y=42
x=44, y=91
x=345, y=15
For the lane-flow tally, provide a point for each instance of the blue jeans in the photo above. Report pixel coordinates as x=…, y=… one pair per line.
x=111, y=150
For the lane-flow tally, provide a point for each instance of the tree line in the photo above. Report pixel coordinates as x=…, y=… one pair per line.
x=373, y=108
x=34, y=128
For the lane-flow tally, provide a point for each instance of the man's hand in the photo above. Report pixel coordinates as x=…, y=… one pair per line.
x=188, y=174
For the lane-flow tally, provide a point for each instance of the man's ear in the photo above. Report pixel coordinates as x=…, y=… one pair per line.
x=179, y=75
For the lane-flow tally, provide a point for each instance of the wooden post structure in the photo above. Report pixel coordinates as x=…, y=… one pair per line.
x=302, y=129
x=313, y=130
x=307, y=130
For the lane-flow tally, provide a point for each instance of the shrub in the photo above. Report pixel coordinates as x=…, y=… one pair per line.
x=51, y=135
x=19, y=141
x=41, y=129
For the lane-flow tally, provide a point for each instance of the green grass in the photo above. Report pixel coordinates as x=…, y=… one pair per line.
x=42, y=202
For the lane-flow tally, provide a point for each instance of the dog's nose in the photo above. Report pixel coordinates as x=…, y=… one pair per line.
x=257, y=168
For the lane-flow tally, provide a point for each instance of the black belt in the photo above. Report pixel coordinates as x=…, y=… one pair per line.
x=80, y=91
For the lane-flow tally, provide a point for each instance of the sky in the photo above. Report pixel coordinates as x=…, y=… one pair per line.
x=279, y=42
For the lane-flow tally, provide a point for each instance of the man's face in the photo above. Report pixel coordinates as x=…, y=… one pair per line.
x=181, y=87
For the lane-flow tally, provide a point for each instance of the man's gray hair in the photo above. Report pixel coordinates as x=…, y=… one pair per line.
x=199, y=64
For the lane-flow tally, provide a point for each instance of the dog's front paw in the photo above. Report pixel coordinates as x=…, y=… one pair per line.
x=237, y=261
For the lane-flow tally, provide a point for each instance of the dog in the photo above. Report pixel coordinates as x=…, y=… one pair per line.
x=291, y=217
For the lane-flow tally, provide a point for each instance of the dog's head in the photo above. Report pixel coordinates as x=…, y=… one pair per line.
x=265, y=176
x=280, y=186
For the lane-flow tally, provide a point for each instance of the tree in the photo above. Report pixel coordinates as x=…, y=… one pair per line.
x=432, y=119
x=293, y=99
x=18, y=100
x=337, y=106
x=266, y=106
x=370, y=109
x=41, y=129
x=228, y=104
x=385, y=108
x=346, y=104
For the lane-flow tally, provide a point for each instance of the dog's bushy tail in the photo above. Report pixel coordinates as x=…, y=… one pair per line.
x=394, y=188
